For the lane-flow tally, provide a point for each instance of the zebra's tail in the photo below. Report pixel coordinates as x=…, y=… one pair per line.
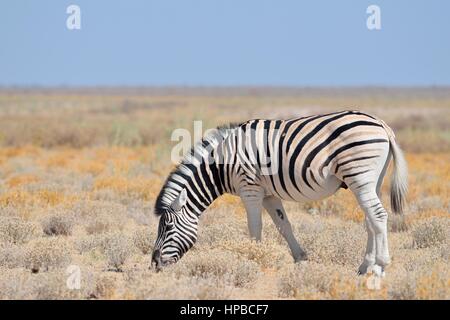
x=399, y=178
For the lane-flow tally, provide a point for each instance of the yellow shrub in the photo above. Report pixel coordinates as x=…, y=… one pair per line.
x=27, y=150
x=19, y=198
x=434, y=285
x=53, y=198
x=59, y=158
x=14, y=198
x=21, y=179
x=89, y=166
x=145, y=188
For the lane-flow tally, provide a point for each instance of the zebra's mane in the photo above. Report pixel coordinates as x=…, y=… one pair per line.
x=171, y=190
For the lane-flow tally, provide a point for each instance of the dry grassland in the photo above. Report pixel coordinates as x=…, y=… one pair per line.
x=79, y=172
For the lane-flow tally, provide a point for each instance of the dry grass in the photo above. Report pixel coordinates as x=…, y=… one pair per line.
x=220, y=264
x=432, y=232
x=58, y=223
x=117, y=249
x=81, y=193
x=144, y=239
x=43, y=254
x=15, y=230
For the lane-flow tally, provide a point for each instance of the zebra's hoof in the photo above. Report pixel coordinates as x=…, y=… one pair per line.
x=378, y=271
x=301, y=257
x=365, y=268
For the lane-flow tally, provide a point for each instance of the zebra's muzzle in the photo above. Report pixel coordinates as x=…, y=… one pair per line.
x=156, y=260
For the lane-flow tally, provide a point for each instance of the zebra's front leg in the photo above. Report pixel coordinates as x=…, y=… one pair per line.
x=252, y=197
x=276, y=211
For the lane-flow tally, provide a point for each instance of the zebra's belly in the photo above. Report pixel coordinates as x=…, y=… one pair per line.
x=323, y=189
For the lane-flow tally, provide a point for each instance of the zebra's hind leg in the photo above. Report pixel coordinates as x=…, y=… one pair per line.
x=252, y=197
x=369, y=259
x=376, y=217
x=276, y=211
x=369, y=256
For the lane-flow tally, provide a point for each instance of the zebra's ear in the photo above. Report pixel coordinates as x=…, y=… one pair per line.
x=180, y=201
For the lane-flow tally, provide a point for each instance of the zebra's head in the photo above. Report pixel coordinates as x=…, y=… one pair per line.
x=177, y=233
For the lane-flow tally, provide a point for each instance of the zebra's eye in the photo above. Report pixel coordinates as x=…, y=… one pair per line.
x=170, y=225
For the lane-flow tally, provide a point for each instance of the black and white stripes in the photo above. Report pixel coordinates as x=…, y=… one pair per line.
x=263, y=161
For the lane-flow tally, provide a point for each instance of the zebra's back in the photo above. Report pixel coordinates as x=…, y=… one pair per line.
x=307, y=158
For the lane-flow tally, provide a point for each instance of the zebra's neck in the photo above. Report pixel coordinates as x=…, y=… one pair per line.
x=203, y=186
x=200, y=173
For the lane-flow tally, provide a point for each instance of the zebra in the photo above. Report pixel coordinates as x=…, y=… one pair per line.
x=265, y=162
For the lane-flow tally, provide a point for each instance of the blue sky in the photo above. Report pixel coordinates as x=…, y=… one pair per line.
x=224, y=42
